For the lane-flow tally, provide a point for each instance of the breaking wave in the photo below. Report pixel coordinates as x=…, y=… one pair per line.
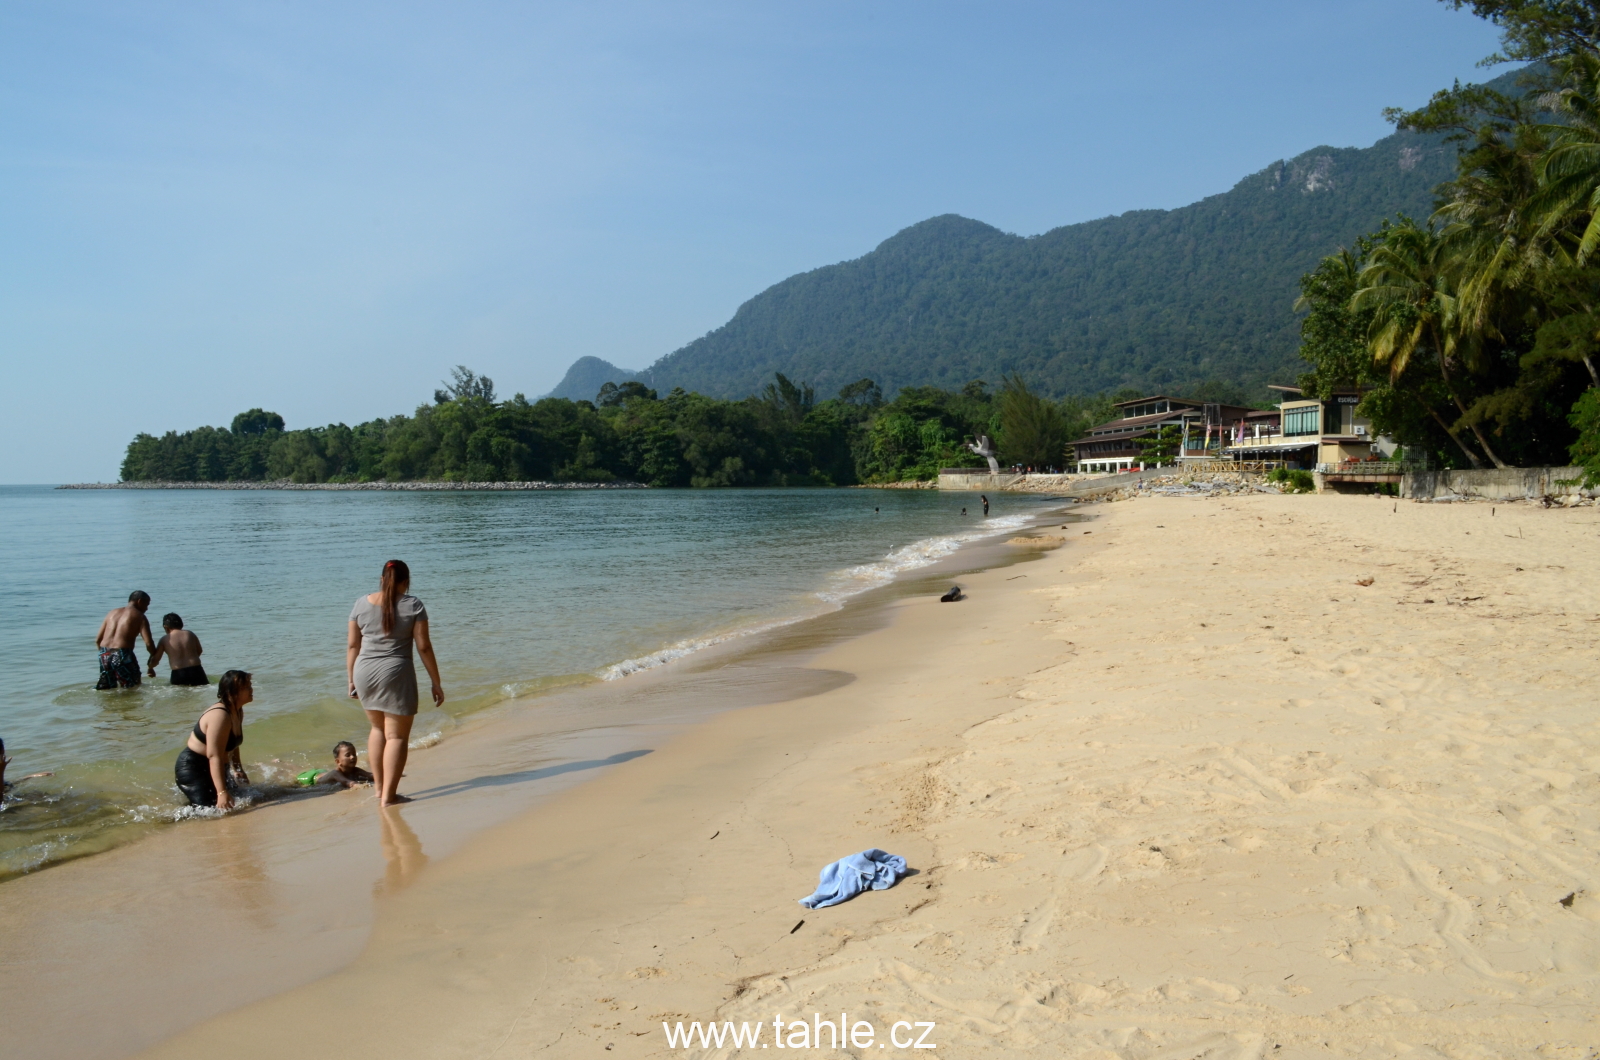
x=840, y=586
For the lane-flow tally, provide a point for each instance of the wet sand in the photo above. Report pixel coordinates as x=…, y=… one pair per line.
x=1182, y=787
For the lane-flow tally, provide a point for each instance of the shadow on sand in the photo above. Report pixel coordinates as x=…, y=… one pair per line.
x=525, y=775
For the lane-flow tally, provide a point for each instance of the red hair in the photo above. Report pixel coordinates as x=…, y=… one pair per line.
x=396, y=576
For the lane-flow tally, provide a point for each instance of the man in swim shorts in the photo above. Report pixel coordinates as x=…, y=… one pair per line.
x=182, y=650
x=119, y=667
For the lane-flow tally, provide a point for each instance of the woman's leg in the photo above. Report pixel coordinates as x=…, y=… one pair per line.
x=396, y=748
x=192, y=773
x=375, y=745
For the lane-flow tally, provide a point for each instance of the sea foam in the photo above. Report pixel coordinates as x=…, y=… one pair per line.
x=840, y=586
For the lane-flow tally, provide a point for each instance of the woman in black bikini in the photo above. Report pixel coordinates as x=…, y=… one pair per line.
x=203, y=766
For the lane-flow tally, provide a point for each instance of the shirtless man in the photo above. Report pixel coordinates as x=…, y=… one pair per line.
x=119, y=667
x=182, y=650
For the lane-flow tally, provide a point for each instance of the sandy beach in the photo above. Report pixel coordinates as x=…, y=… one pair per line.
x=1188, y=785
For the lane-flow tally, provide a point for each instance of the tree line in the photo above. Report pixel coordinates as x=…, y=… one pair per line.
x=782, y=436
x=1475, y=332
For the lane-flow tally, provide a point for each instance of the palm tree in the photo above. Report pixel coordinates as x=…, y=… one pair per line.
x=1408, y=286
x=1568, y=202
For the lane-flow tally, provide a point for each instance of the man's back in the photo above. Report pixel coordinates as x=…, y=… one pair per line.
x=118, y=666
x=122, y=628
x=182, y=648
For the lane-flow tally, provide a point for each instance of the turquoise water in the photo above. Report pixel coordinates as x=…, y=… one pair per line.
x=526, y=592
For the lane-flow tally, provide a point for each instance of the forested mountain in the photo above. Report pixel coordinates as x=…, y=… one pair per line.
x=1158, y=300
x=586, y=376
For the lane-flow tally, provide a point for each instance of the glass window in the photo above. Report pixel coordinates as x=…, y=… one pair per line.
x=1305, y=420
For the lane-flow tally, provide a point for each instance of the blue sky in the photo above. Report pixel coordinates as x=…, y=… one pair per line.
x=320, y=207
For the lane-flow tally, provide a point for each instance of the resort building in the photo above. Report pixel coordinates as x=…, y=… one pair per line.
x=1306, y=433
x=1200, y=427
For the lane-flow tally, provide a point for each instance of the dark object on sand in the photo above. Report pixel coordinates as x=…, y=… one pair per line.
x=952, y=596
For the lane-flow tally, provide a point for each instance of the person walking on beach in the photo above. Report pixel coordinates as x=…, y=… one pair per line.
x=383, y=627
x=182, y=650
x=208, y=768
x=119, y=667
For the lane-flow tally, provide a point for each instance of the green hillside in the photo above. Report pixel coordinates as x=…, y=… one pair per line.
x=586, y=376
x=1153, y=299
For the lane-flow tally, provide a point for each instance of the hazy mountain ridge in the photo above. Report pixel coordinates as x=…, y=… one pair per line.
x=587, y=375
x=1154, y=299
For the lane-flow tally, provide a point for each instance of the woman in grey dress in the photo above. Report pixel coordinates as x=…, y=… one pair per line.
x=383, y=627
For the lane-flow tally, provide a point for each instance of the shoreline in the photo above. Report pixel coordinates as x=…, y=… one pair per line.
x=310, y=864
x=1286, y=776
x=420, y=486
x=136, y=811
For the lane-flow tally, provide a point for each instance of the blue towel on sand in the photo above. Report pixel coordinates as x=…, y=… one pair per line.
x=848, y=877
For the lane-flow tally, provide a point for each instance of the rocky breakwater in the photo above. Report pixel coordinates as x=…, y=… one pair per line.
x=416, y=487
x=1205, y=484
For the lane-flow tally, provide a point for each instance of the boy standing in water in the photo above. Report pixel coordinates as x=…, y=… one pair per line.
x=182, y=650
x=119, y=667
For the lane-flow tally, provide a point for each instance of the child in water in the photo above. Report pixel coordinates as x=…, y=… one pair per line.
x=344, y=773
x=5, y=785
x=182, y=650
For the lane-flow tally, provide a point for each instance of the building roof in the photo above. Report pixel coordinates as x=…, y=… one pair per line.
x=1157, y=397
x=1132, y=427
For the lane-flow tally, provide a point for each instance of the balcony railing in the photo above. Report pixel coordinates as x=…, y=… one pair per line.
x=1368, y=467
x=1274, y=438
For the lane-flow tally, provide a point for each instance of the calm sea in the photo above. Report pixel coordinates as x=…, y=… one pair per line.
x=526, y=592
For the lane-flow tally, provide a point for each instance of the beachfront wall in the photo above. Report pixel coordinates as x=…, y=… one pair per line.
x=1495, y=484
x=966, y=478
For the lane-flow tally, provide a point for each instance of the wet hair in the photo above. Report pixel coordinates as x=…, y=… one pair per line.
x=140, y=597
x=172, y=620
x=342, y=744
x=229, y=687
x=396, y=576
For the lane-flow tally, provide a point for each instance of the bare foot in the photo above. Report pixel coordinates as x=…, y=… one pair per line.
x=397, y=800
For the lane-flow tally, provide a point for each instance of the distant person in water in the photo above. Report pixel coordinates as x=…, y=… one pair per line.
x=383, y=627
x=6, y=785
x=119, y=667
x=182, y=650
x=963, y=511
x=985, y=501
x=208, y=769
x=344, y=773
